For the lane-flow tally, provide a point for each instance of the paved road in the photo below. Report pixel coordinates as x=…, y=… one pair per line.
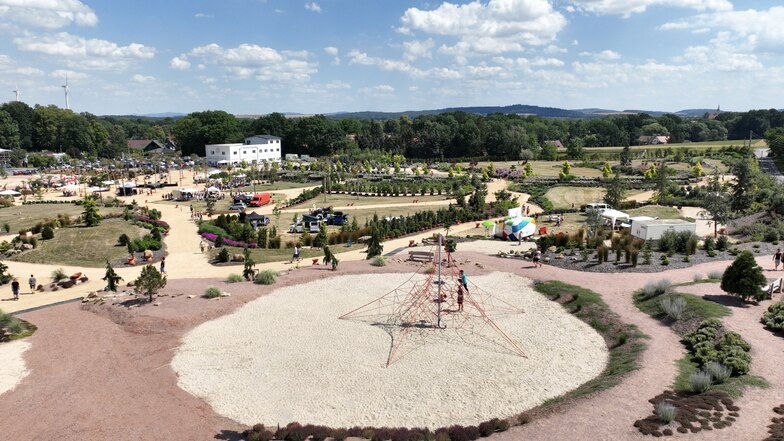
x=768, y=165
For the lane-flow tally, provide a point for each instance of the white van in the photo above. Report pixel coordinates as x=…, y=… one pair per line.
x=596, y=207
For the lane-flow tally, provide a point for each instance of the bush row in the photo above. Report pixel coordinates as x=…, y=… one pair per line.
x=298, y=432
x=225, y=241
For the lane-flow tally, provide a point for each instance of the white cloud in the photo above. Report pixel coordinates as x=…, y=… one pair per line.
x=250, y=60
x=418, y=49
x=605, y=55
x=553, y=49
x=331, y=50
x=50, y=14
x=338, y=85
x=203, y=15
x=361, y=58
x=11, y=67
x=180, y=63
x=628, y=7
x=72, y=75
x=722, y=54
x=138, y=78
x=85, y=53
x=760, y=28
x=550, y=62
x=313, y=7
x=489, y=28
x=383, y=89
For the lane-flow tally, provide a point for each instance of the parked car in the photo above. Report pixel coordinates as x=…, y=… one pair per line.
x=239, y=206
x=312, y=227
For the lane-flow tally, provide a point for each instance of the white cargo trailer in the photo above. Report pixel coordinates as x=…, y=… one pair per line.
x=653, y=229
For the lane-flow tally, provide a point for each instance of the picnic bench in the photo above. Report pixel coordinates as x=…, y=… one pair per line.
x=772, y=287
x=420, y=256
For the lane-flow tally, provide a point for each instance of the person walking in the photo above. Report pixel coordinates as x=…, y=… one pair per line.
x=202, y=245
x=777, y=260
x=15, y=289
x=163, y=265
x=32, y=283
x=296, y=253
x=538, y=258
x=460, y=298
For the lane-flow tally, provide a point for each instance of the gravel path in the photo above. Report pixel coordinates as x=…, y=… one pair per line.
x=288, y=357
x=117, y=364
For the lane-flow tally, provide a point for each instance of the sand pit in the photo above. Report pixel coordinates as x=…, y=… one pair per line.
x=286, y=357
x=12, y=365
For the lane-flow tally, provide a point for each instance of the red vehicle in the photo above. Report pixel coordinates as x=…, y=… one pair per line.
x=260, y=199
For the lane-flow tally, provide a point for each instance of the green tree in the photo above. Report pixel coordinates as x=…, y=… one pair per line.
x=329, y=258
x=90, y=215
x=566, y=170
x=716, y=204
x=607, y=170
x=549, y=152
x=697, y=170
x=9, y=132
x=742, y=185
x=150, y=281
x=374, y=244
x=248, y=271
x=662, y=188
x=744, y=278
x=210, y=206
x=626, y=156
x=320, y=240
x=111, y=277
x=615, y=192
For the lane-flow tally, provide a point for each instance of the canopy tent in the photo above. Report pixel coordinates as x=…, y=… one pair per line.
x=223, y=161
x=632, y=220
x=9, y=193
x=614, y=216
x=129, y=185
x=107, y=182
x=96, y=189
x=70, y=187
x=213, y=189
x=240, y=176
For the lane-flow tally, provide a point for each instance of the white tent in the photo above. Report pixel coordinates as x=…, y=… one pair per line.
x=71, y=187
x=96, y=189
x=129, y=185
x=213, y=190
x=614, y=215
x=9, y=193
x=107, y=182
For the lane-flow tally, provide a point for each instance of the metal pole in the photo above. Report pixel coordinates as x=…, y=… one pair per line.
x=438, y=301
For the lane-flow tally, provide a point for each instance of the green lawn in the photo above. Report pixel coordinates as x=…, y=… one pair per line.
x=698, y=146
x=342, y=200
x=82, y=246
x=284, y=254
x=567, y=197
x=655, y=211
x=26, y=216
x=696, y=306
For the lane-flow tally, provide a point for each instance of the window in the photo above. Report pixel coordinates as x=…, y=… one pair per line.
x=223, y=153
x=235, y=152
x=253, y=151
x=212, y=152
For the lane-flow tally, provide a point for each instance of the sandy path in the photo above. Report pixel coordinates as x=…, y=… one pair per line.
x=12, y=367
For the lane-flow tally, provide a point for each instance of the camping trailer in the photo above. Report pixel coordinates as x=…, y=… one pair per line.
x=653, y=229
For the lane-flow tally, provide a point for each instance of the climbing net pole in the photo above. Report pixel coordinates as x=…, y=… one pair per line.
x=425, y=310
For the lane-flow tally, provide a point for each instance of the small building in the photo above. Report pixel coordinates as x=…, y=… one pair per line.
x=555, y=142
x=149, y=146
x=292, y=157
x=653, y=229
x=653, y=140
x=255, y=150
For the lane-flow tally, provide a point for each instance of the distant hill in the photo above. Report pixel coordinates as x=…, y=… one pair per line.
x=162, y=115
x=519, y=109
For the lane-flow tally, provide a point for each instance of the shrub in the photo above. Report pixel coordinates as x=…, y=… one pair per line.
x=674, y=307
x=47, y=233
x=774, y=316
x=223, y=255
x=123, y=240
x=379, y=261
x=212, y=292
x=666, y=412
x=718, y=372
x=274, y=243
x=657, y=288
x=218, y=241
x=266, y=277
x=715, y=275
x=697, y=277
x=700, y=382
x=58, y=275
x=744, y=278
x=709, y=244
x=234, y=278
x=721, y=243
x=16, y=326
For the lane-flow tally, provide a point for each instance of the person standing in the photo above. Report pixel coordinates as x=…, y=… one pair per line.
x=202, y=245
x=32, y=283
x=777, y=260
x=538, y=258
x=15, y=289
x=464, y=280
x=460, y=298
x=163, y=265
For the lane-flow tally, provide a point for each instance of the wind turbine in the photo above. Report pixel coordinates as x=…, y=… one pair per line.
x=16, y=91
x=65, y=87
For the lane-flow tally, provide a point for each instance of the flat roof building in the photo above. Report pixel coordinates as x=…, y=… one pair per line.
x=255, y=150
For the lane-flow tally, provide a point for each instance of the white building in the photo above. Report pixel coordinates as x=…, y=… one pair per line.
x=653, y=229
x=255, y=150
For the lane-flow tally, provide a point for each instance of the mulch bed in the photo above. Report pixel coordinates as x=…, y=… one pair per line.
x=776, y=429
x=676, y=261
x=706, y=411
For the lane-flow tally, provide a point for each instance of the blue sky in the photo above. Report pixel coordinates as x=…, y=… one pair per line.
x=261, y=56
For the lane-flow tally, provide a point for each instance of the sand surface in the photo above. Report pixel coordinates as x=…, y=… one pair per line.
x=12, y=367
x=287, y=357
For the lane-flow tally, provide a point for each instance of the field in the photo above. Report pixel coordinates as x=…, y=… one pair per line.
x=26, y=216
x=81, y=246
x=696, y=146
x=279, y=185
x=343, y=200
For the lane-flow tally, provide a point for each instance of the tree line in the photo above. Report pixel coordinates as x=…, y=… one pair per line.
x=441, y=136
